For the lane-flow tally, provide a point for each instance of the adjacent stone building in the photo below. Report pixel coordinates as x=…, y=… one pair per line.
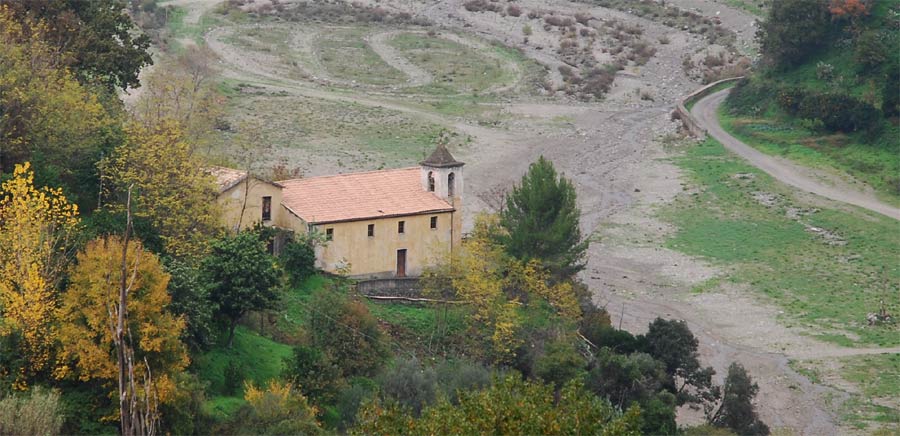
x=376, y=224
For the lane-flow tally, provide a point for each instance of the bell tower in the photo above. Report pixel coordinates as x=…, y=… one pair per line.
x=443, y=175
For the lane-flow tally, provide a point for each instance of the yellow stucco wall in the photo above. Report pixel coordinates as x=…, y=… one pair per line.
x=231, y=202
x=376, y=256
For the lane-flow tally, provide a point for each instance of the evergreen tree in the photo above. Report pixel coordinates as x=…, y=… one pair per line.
x=542, y=221
x=736, y=411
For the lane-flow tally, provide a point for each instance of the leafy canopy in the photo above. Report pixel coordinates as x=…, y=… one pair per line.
x=86, y=330
x=242, y=277
x=36, y=228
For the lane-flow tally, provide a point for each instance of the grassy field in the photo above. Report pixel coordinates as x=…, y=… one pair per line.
x=877, y=165
x=346, y=56
x=455, y=67
x=827, y=268
x=871, y=384
x=309, y=131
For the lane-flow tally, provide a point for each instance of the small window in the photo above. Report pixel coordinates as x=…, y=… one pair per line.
x=329, y=234
x=434, y=222
x=401, y=227
x=430, y=181
x=266, y=208
x=371, y=230
x=451, y=184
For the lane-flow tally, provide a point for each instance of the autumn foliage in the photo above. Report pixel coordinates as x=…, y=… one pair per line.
x=87, y=332
x=35, y=228
x=848, y=8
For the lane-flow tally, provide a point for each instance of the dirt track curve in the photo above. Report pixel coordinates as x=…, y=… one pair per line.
x=705, y=113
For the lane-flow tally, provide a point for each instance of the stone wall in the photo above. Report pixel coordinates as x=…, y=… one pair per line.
x=391, y=287
x=690, y=124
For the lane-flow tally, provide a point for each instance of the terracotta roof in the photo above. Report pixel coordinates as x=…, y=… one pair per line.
x=226, y=178
x=358, y=196
x=441, y=158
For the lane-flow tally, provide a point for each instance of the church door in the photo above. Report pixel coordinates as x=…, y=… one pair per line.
x=401, y=263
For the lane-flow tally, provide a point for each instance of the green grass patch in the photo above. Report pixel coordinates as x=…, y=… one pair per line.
x=346, y=56
x=877, y=375
x=877, y=165
x=827, y=287
x=352, y=135
x=455, y=67
x=222, y=408
x=259, y=358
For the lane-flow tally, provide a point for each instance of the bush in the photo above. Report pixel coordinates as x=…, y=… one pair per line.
x=750, y=97
x=560, y=363
x=626, y=379
x=279, y=409
x=410, y=385
x=481, y=5
x=558, y=21
x=351, y=398
x=871, y=49
x=513, y=11
x=190, y=299
x=837, y=112
x=36, y=413
x=298, y=259
x=315, y=374
x=824, y=71
x=461, y=375
x=347, y=333
x=233, y=376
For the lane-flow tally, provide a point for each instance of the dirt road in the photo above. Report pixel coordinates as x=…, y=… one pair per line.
x=792, y=174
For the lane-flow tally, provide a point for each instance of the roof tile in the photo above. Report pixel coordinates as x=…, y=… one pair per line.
x=357, y=196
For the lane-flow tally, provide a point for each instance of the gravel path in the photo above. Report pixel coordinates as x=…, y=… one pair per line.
x=792, y=174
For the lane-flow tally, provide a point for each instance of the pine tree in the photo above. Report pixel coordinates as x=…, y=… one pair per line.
x=542, y=221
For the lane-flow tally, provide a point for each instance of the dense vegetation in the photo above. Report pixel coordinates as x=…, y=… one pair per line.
x=128, y=307
x=828, y=90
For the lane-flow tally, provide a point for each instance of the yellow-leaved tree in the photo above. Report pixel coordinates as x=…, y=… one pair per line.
x=172, y=189
x=498, y=287
x=35, y=230
x=87, y=327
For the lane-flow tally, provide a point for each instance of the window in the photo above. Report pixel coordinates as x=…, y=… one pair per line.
x=434, y=222
x=401, y=227
x=329, y=234
x=266, y=208
x=371, y=230
x=451, y=179
x=430, y=181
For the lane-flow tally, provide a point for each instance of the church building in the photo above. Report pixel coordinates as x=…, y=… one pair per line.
x=376, y=224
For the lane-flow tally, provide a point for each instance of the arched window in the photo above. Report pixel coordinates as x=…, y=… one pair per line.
x=430, y=181
x=451, y=179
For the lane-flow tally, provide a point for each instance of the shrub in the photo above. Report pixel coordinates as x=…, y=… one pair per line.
x=626, y=379
x=233, y=376
x=351, y=398
x=35, y=412
x=279, y=409
x=837, y=112
x=750, y=97
x=824, y=71
x=583, y=18
x=513, y=10
x=793, y=30
x=461, y=375
x=410, y=385
x=298, y=259
x=190, y=299
x=871, y=49
x=481, y=5
x=526, y=30
x=559, y=21
x=664, y=40
x=560, y=363
x=315, y=374
x=347, y=333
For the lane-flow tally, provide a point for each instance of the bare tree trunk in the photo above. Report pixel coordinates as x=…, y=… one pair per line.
x=124, y=417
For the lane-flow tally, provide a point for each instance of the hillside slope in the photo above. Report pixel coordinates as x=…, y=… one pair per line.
x=827, y=90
